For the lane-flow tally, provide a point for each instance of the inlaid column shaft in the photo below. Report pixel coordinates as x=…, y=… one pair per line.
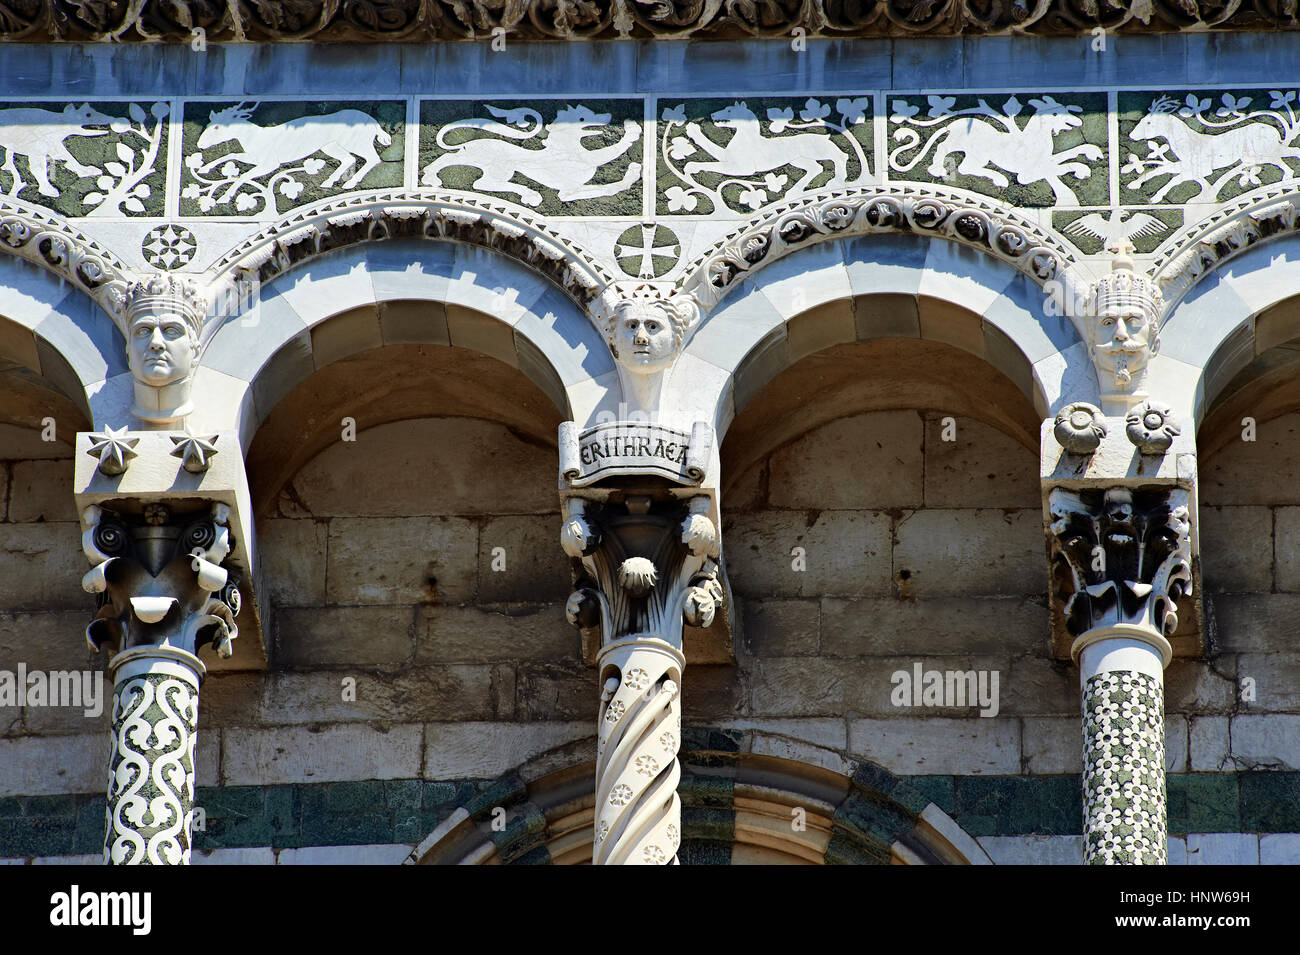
x=1123, y=557
x=151, y=765
x=162, y=595
x=1121, y=679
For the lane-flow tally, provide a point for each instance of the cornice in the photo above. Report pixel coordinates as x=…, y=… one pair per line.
x=223, y=21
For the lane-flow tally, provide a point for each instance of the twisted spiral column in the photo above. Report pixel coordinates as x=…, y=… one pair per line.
x=638, y=813
x=151, y=766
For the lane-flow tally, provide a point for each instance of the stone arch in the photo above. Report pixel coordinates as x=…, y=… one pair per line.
x=1228, y=321
x=56, y=332
x=363, y=297
x=739, y=797
x=873, y=287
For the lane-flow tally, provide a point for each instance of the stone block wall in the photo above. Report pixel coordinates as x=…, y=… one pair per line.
x=380, y=558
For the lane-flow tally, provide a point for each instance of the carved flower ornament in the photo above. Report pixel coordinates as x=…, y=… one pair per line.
x=1080, y=427
x=1152, y=427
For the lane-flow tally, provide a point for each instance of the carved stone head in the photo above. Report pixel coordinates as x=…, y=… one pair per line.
x=646, y=328
x=1123, y=316
x=164, y=326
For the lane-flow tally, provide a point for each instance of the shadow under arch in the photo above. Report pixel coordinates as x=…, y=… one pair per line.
x=55, y=332
x=409, y=292
x=738, y=803
x=893, y=286
x=1236, y=324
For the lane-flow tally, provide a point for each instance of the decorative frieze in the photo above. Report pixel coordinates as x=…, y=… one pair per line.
x=415, y=21
x=925, y=210
x=414, y=214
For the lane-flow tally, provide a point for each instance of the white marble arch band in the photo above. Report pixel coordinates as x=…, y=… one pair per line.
x=57, y=331
x=1224, y=321
x=804, y=303
x=316, y=313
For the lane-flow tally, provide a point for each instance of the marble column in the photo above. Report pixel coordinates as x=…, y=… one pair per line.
x=1124, y=557
x=646, y=565
x=162, y=596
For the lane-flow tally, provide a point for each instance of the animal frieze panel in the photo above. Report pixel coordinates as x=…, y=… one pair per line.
x=555, y=157
x=266, y=158
x=1025, y=149
x=1206, y=146
x=720, y=156
x=90, y=159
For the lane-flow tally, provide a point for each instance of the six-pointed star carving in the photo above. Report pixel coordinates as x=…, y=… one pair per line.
x=114, y=450
x=194, y=451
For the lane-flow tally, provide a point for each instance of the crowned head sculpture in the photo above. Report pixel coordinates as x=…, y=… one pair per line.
x=163, y=319
x=646, y=326
x=1123, y=317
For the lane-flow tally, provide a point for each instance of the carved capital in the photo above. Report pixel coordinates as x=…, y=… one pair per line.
x=159, y=579
x=649, y=566
x=1121, y=559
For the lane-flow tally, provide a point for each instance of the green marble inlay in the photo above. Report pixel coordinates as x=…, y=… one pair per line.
x=555, y=157
x=252, y=159
x=1025, y=149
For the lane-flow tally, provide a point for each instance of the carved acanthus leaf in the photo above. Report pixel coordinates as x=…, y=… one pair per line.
x=1121, y=557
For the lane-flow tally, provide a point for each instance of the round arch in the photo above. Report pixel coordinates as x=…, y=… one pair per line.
x=889, y=286
x=57, y=332
x=403, y=292
x=855, y=811
x=1231, y=318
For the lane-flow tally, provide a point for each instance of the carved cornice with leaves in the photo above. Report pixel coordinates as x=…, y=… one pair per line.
x=425, y=20
x=51, y=243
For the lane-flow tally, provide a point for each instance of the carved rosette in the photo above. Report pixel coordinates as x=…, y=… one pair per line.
x=162, y=595
x=646, y=567
x=1124, y=809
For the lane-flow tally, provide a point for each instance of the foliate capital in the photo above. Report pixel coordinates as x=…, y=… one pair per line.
x=648, y=566
x=159, y=578
x=1121, y=558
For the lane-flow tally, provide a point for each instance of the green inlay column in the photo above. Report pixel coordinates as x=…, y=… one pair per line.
x=1125, y=819
x=151, y=765
x=162, y=595
x=1124, y=558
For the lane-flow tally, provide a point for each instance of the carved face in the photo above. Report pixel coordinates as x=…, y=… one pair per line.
x=1121, y=340
x=1118, y=516
x=643, y=341
x=161, y=349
